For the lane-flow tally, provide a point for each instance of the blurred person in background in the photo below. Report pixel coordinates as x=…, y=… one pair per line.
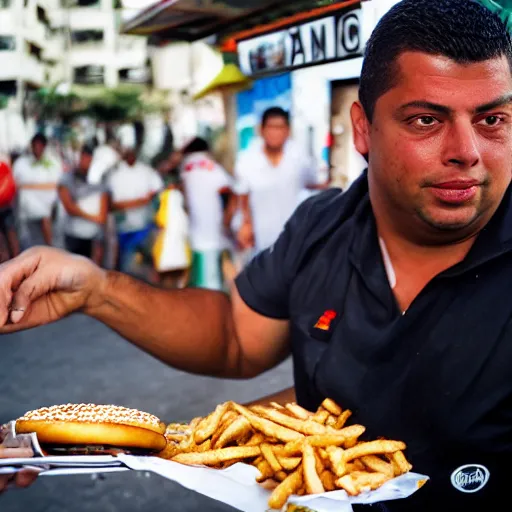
x=207, y=187
x=37, y=175
x=171, y=250
x=86, y=208
x=132, y=186
x=270, y=175
x=9, y=243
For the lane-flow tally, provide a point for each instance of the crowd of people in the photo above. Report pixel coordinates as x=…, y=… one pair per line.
x=187, y=222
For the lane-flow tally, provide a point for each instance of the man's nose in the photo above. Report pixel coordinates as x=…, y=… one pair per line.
x=461, y=145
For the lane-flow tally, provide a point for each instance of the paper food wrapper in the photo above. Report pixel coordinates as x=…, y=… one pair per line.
x=237, y=486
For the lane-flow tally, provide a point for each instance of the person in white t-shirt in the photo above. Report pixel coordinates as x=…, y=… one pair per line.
x=270, y=176
x=86, y=207
x=37, y=176
x=205, y=184
x=132, y=186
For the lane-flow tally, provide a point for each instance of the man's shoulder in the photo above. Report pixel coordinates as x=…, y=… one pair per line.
x=67, y=179
x=22, y=161
x=331, y=208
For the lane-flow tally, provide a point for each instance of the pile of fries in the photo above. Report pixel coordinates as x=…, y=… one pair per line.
x=297, y=452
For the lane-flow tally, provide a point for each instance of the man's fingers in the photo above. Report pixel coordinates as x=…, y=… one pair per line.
x=4, y=481
x=34, y=316
x=29, y=291
x=12, y=275
x=26, y=477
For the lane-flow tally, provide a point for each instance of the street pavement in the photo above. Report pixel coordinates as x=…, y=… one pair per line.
x=78, y=360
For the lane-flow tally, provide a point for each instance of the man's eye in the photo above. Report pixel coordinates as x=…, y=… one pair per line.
x=491, y=121
x=425, y=121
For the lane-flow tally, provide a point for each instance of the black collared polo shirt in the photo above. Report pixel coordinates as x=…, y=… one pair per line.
x=438, y=377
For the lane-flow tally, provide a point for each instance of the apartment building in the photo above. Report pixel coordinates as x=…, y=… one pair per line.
x=45, y=42
x=95, y=52
x=24, y=32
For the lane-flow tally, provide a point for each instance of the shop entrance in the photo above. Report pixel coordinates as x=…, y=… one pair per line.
x=346, y=163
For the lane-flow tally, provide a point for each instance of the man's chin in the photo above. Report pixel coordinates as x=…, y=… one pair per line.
x=450, y=222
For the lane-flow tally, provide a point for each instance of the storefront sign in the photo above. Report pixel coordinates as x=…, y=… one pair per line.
x=323, y=40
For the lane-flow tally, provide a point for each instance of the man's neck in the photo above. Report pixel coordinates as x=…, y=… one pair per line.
x=414, y=265
x=274, y=155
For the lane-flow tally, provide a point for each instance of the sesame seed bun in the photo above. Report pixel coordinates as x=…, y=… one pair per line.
x=88, y=424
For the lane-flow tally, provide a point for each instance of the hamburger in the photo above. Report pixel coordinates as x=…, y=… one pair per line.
x=88, y=429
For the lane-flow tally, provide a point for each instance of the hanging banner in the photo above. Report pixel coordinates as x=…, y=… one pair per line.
x=323, y=40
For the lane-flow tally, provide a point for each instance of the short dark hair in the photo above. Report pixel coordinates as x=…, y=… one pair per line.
x=196, y=145
x=39, y=137
x=275, y=112
x=88, y=149
x=462, y=30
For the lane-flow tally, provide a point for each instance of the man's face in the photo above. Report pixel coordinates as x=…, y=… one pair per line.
x=130, y=157
x=84, y=163
x=440, y=146
x=275, y=132
x=38, y=149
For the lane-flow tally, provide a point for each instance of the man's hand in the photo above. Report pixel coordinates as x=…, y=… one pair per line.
x=245, y=237
x=43, y=285
x=23, y=478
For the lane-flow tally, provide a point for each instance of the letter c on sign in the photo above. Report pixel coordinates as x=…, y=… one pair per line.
x=350, y=38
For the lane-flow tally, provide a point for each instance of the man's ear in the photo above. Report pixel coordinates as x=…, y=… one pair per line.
x=360, y=128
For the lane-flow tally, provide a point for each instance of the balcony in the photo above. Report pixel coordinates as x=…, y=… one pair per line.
x=9, y=66
x=35, y=32
x=7, y=22
x=86, y=18
x=33, y=71
x=131, y=52
x=54, y=49
x=28, y=68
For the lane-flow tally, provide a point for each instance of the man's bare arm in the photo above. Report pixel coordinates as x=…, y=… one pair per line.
x=38, y=186
x=46, y=226
x=194, y=330
x=135, y=203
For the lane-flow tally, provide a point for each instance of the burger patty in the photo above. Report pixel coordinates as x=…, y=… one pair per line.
x=91, y=450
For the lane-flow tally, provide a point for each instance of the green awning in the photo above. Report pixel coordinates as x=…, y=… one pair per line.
x=501, y=7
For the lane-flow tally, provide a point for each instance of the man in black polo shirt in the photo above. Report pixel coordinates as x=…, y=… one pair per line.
x=412, y=266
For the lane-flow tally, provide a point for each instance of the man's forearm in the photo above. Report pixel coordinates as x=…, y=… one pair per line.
x=46, y=226
x=38, y=186
x=135, y=203
x=191, y=330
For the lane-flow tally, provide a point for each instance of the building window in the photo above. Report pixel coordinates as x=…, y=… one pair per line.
x=34, y=50
x=80, y=3
x=8, y=88
x=86, y=37
x=134, y=75
x=7, y=43
x=89, y=75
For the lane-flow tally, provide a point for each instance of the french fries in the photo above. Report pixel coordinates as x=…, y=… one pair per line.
x=295, y=451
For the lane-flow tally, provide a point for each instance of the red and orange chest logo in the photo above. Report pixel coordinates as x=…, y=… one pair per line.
x=325, y=321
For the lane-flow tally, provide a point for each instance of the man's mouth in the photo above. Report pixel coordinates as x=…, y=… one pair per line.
x=456, y=192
